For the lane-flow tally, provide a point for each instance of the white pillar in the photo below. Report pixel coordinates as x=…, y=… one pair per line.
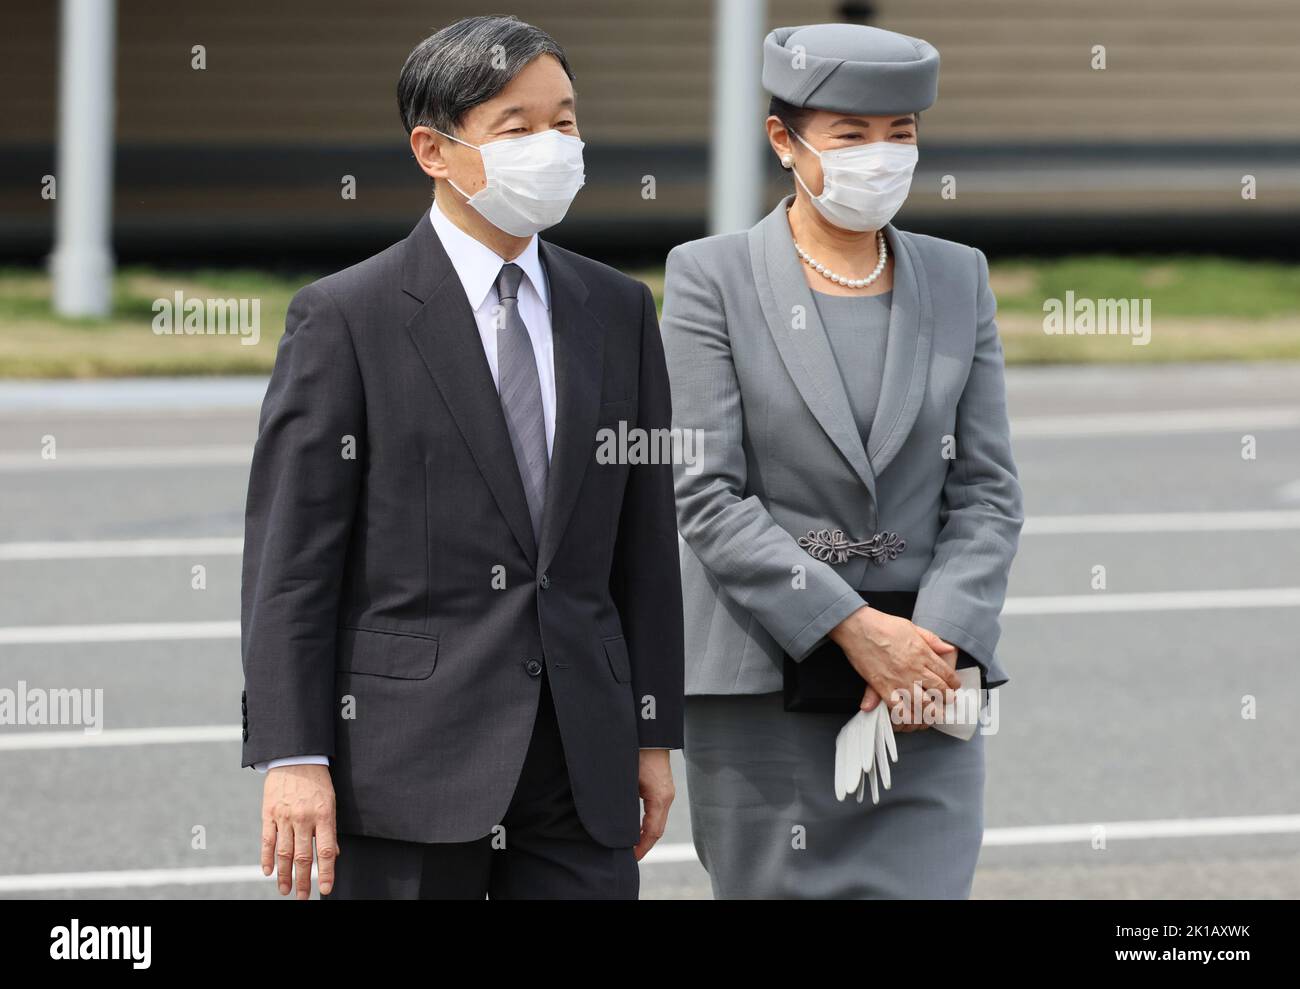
x=736, y=156
x=82, y=262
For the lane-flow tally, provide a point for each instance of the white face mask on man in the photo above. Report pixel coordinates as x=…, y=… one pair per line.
x=864, y=186
x=531, y=181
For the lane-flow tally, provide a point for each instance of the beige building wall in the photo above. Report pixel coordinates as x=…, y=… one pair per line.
x=323, y=71
x=309, y=86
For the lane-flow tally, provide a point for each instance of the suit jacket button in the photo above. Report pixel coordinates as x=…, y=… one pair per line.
x=545, y=581
x=533, y=667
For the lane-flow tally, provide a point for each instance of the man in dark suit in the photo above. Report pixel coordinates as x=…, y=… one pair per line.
x=462, y=632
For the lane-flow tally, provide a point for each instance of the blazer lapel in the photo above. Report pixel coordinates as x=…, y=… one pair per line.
x=907, y=354
x=805, y=349
x=446, y=335
x=579, y=365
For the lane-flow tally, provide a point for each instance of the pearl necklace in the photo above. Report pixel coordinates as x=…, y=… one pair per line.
x=825, y=272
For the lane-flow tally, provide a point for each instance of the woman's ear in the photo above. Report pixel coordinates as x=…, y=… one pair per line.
x=779, y=138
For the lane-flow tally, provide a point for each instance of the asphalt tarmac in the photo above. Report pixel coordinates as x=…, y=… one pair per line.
x=1146, y=745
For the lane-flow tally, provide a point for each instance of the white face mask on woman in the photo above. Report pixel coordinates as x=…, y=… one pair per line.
x=862, y=186
x=531, y=181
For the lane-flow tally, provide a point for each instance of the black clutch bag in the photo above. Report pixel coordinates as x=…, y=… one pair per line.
x=825, y=682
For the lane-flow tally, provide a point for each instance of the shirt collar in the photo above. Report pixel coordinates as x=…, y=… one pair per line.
x=478, y=266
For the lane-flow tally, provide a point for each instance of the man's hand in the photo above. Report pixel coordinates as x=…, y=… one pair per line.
x=297, y=805
x=655, y=781
x=892, y=654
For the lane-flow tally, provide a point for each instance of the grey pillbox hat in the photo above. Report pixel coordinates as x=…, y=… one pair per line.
x=850, y=68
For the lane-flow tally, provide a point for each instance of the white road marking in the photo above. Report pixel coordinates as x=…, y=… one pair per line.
x=1102, y=601
x=1045, y=604
x=171, y=398
x=112, y=549
x=1040, y=525
x=667, y=854
x=26, y=741
x=115, y=458
x=673, y=853
x=26, y=635
x=1136, y=422
x=1154, y=422
x=1144, y=522
x=133, y=878
x=1178, y=827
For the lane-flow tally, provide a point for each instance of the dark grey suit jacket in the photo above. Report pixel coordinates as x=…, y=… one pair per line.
x=376, y=629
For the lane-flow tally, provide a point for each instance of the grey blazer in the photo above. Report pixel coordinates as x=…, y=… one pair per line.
x=781, y=457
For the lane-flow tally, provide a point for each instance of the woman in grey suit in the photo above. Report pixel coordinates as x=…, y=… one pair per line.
x=845, y=381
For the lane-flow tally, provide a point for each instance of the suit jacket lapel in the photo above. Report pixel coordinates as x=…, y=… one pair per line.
x=907, y=354
x=579, y=366
x=446, y=335
x=805, y=350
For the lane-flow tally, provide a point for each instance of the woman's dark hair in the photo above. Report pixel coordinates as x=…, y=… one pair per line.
x=794, y=117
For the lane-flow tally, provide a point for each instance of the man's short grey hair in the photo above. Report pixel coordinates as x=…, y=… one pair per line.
x=465, y=64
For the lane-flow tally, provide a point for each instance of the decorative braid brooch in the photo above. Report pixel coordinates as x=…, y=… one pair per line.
x=833, y=546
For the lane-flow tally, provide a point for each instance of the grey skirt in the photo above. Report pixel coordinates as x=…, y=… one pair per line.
x=766, y=823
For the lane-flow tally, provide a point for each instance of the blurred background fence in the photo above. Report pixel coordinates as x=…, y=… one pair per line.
x=242, y=161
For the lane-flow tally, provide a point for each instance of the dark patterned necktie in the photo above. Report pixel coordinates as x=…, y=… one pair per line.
x=521, y=394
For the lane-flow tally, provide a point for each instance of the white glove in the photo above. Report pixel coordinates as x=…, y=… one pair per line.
x=865, y=745
x=964, y=704
x=863, y=750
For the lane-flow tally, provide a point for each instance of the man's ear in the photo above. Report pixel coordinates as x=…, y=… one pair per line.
x=426, y=146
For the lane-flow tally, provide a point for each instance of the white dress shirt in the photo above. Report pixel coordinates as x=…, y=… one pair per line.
x=478, y=266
